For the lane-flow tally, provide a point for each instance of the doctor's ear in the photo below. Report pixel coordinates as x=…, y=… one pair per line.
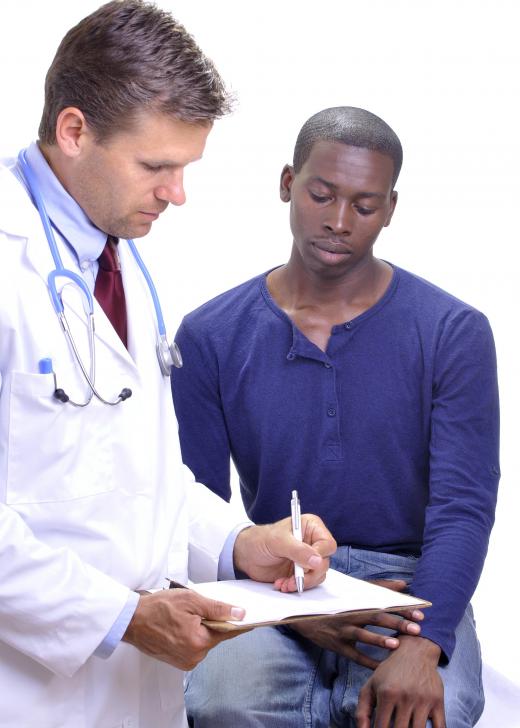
x=286, y=180
x=71, y=127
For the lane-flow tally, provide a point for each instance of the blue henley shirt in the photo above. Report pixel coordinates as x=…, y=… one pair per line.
x=391, y=435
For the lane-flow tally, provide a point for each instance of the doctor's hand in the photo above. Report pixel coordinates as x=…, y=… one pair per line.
x=168, y=625
x=267, y=553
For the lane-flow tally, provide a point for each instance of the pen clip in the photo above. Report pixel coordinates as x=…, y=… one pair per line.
x=295, y=511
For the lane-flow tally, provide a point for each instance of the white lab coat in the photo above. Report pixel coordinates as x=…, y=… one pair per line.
x=94, y=502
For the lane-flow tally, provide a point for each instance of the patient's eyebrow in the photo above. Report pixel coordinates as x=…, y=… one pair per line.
x=332, y=186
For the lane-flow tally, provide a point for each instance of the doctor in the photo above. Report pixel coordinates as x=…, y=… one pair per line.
x=96, y=505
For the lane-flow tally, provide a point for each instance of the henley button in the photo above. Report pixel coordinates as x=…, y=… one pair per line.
x=348, y=325
x=331, y=412
x=291, y=356
x=327, y=365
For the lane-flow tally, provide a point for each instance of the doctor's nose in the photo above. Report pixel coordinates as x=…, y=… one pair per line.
x=339, y=219
x=172, y=190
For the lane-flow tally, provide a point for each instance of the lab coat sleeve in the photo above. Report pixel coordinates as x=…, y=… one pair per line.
x=212, y=520
x=54, y=608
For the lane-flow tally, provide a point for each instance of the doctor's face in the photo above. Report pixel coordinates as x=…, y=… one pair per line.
x=126, y=182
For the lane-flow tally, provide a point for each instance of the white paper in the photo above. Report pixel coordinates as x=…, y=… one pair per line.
x=338, y=593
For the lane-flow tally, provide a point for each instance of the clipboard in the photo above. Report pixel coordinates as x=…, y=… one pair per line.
x=232, y=627
x=338, y=596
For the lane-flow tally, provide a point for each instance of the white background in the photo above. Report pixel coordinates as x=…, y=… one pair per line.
x=445, y=75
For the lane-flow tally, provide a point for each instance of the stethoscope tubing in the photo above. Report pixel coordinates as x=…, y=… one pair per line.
x=168, y=355
x=153, y=292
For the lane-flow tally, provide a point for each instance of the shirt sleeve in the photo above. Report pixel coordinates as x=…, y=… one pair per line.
x=464, y=474
x=114, y=637
x=202, y=426
x=226, y=569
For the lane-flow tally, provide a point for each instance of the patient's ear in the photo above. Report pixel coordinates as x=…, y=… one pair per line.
x=286, y=180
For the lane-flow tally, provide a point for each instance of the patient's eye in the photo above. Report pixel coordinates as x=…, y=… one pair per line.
x=319, y=198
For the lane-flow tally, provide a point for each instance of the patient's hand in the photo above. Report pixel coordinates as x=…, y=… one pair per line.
x=341, y=634
x=406, y=689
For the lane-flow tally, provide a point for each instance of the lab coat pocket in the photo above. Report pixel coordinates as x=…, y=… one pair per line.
x=57, y=452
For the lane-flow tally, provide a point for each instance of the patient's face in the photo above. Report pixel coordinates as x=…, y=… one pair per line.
x=340, y=200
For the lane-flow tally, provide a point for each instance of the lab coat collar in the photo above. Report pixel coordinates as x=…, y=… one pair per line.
x=19, y=218
x=14, y=199
x=66, y=215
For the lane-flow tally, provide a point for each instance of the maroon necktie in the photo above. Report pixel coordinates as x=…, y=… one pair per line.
x=109, y=290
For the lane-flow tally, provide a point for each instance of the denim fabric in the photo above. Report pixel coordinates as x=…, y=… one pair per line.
x=272, y=678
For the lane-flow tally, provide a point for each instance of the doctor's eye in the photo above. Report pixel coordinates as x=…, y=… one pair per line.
x=152, y=167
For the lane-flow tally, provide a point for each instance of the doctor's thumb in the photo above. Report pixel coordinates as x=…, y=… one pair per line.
x=221, y=612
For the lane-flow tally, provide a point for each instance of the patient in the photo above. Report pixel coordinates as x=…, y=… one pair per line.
x=374, y=393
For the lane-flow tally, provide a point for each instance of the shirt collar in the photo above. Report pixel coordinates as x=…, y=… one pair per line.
x=83, y=237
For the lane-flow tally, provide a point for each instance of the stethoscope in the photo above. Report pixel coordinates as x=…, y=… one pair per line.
x=168, y=355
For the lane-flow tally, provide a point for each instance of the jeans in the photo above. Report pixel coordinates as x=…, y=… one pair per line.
x=273, y=678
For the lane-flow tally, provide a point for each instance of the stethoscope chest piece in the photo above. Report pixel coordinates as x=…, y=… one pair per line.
x=169, y=355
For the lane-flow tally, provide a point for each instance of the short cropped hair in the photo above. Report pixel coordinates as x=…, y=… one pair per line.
x=126, y=57
x=352, y=126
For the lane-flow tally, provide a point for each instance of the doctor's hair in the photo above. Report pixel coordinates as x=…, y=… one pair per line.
x=127, y=57
x=352, y=126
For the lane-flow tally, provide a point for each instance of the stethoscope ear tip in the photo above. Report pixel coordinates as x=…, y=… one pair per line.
x=125, y=394
x=61, y=395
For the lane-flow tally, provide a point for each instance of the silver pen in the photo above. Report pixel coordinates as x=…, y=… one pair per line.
x=296, y=520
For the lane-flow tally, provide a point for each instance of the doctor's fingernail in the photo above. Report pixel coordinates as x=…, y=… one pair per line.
x=416, y=614
x=238, y=612
x=315, y=562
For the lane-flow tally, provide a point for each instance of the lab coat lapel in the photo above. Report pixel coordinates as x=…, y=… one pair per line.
x=106, y=335
x=19, y=217
x=76, y=306
x=142, y=320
